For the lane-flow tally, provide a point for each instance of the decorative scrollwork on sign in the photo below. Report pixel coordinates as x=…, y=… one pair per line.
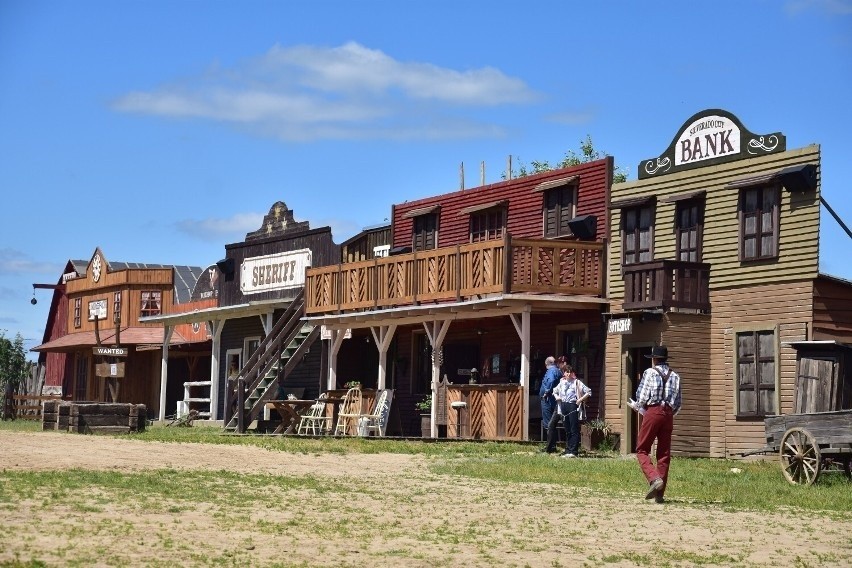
x=660, y=165
x=757, y=145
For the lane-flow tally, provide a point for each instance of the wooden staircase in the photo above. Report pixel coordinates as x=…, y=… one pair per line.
x=275, y=358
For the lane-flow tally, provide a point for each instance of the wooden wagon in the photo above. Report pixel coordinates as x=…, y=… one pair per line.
x=809, y=443
x=818, y=434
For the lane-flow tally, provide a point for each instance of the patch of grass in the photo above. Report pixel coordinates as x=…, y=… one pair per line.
x=694, y=482
x=19, y=425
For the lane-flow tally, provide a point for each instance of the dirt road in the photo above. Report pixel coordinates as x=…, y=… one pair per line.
x=360, y=509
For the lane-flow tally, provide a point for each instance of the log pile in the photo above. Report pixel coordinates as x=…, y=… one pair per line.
x=94, y=417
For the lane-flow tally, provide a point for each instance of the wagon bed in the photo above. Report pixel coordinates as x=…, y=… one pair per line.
x=808, y=442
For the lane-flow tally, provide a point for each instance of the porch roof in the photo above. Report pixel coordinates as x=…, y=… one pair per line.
x=129, y=336
x=260, y=307
x=487, y=307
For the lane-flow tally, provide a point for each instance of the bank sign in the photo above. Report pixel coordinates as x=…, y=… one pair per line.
x=711, y=137
x=274, y=271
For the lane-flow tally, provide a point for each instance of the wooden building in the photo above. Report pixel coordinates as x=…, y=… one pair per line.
x=485, y=282
x=104, y=306
x=58, y=366
x=715, y=254
x=256, y=328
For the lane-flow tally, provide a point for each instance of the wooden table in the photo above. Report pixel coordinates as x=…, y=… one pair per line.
x=291, y=413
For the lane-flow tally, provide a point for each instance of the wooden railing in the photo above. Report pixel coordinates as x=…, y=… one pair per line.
x=663, y=284
x=456, y=273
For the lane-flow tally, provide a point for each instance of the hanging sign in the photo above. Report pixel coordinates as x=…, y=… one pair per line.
x=709, y=137
x=110, y=370
x=325, y=333
x=620, y=326
x=110, y=351
x=274, y=271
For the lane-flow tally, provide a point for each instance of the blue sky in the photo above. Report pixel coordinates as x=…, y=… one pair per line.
x=160, y=131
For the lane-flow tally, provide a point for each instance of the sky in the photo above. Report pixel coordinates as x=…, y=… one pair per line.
x=160, y=131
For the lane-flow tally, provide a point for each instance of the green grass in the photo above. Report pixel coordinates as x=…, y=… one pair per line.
x=692, y=482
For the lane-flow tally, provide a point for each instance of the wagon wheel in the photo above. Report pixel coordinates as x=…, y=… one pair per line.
x=800, y=457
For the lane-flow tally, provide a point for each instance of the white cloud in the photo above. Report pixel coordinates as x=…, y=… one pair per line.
x=841, y=7
x=15, y=261
x=347, y=92
x=213, y=229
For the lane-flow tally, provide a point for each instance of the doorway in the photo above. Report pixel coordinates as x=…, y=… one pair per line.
x=634, y=366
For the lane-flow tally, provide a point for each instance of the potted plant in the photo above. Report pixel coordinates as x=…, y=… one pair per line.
x=597, y=434
x=425, y=408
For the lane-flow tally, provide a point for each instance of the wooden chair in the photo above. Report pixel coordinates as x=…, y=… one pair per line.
x=315, y=420
x=350, y=411
x=374, y=419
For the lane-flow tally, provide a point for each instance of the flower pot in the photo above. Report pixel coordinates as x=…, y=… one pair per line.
x=590, y=439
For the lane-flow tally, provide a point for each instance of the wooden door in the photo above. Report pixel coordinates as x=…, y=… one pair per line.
x=817, y=385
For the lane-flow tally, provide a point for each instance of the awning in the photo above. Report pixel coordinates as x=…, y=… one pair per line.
x=484, y=206
x=794, y=178
x=684, y=196
x=421, y=211
x=634, y=202
x=129, y=336
x=543, y=186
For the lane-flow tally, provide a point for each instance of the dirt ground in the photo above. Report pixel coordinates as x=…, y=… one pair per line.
x=424, y=520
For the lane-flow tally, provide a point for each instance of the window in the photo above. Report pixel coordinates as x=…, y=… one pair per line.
x=485, y=225
x=637, y=235
x=81, y=373
x=152, y=303
x=756, y=371
x=425, y=232
x=558, y=210
x=689, y=229
x=250, y=345
x=116, y=308
x=759, y=222
x=78, y=311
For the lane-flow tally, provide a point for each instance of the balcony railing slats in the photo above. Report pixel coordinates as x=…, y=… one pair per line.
x=664, y=284
x=458, y=272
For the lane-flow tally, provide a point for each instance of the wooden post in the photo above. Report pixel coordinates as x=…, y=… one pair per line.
x=241, y=402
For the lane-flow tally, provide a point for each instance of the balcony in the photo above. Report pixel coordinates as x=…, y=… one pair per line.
x=665, y=284
x=458, y=273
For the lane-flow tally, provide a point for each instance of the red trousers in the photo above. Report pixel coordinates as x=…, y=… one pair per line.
x=657, y=423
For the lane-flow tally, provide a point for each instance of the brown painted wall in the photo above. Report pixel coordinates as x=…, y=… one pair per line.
x=799, y=225
x=832, y=309
x=319, y=241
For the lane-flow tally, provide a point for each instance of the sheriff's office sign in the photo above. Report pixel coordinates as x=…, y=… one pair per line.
x=274, y=271
x=711, y=137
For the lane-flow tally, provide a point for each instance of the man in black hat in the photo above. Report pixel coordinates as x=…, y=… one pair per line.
x=659, y=396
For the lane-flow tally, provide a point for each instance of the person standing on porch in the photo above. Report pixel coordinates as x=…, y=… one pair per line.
x=548, y=402
x=659, y=396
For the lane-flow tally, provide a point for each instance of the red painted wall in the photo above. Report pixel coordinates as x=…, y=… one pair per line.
x=524, y=217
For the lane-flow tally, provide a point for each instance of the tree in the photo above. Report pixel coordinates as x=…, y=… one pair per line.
x=571, y=158
x=13, y=369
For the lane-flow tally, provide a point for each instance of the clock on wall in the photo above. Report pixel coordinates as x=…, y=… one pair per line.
x=96, y=268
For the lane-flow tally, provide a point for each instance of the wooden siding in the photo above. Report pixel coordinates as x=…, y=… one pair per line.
x=361, y=246
x=524, y=213
x=688, y=339
x=186, y=330
x=131, y=305
x=832, y=317
x=234, y=332
x=799, y=222
x=58, y=370
x=319, y=241
x=788, y=307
